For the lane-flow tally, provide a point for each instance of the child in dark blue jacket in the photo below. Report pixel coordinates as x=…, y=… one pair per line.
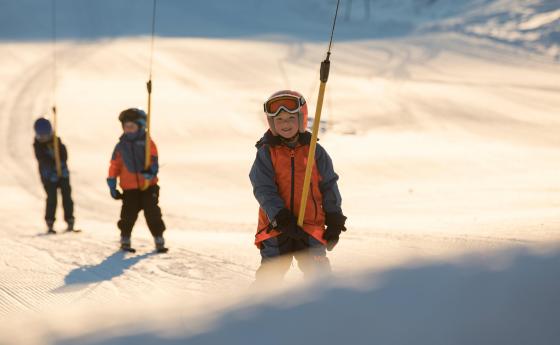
x=44, y=151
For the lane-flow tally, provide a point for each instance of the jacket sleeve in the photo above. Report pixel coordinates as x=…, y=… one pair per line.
x=63, y=158
x=63, y=152
x=115, y=166
x=154, y=166
x=332, y=200
x=45, y=160
x=39, y=154
x=262, y=178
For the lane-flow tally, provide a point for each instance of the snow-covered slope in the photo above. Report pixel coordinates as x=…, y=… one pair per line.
x=444, y=137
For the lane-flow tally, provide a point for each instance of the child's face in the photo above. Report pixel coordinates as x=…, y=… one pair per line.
x=130, y=127
x=286, y=124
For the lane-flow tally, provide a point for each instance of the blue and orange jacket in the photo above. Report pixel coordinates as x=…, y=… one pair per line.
x=127, y=161
x=277, y=177
x=44, y=152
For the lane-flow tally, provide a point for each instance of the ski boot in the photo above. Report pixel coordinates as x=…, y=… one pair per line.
x=125, y=245
x=160, y=244
x=50, y=227
x=70, y=225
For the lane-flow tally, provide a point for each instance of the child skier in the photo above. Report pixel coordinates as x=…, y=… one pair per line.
x=127, y=164
x=44, y=151
x=277, y=177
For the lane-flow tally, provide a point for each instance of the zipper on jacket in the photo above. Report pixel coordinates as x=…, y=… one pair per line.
x=135, y=166
x=293, y=161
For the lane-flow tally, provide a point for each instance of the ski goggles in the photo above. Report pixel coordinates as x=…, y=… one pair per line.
x=290, y=103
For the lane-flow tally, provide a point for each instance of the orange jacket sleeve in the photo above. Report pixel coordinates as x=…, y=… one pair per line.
x=116, y=164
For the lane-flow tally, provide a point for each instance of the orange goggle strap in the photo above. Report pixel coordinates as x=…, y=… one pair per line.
x=287, y=102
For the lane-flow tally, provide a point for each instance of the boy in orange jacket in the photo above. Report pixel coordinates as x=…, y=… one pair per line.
x=127, y=164
x=277, y=177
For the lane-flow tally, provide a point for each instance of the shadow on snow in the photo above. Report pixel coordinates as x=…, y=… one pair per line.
x=112, y=267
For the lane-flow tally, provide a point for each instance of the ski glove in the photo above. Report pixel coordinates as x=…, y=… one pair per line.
x=115, y=193
x=151, y=172
x=148, y=175
x=335, y=225
x=286, y=223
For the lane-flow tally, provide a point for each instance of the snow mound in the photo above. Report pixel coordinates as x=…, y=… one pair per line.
x=507, y=298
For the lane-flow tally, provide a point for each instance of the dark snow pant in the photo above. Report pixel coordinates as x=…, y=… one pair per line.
x=135, y=200
x=52, y=199
x=278, y=252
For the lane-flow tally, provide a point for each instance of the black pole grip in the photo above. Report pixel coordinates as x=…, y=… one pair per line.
x=149, y=86
x=325, y=67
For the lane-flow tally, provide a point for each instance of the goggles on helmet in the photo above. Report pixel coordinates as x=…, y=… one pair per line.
x=290, y=103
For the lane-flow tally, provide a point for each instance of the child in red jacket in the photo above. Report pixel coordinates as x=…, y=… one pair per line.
x=127, y=164
x=277, y=177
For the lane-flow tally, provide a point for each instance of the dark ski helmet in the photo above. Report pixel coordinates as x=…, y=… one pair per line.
x=42, y=126
x=290, y=101
x=135, y=115
x=43, y=129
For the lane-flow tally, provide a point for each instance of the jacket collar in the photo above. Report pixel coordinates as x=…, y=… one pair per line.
x=276, y=140
x=139, y=136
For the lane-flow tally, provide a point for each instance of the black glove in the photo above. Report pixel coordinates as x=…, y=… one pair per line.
x=115, y=193
x=286, y=223
x=335, y=225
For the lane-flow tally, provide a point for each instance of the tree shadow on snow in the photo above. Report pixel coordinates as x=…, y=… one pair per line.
x=112, y=267
x=92, y=20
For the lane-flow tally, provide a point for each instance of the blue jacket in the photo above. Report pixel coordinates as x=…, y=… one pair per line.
x=44, y=152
